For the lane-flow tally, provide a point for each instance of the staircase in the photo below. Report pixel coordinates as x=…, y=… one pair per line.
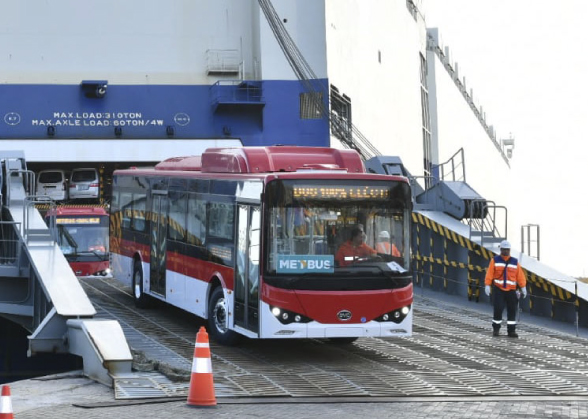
x=38, y=289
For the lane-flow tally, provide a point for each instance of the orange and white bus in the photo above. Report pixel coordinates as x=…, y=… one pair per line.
x=247, y=238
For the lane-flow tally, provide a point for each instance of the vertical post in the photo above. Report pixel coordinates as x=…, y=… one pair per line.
x=539, y=249
x=577, y=309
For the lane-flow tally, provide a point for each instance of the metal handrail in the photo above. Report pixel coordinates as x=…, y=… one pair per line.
x=11, y=249
x=28, y=182
x=489, y=222
x=414, y=180
x=30, y=201
x=454, y=166
x=236, y=91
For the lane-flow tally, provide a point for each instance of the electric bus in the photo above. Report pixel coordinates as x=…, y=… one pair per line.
x=82, y=235
x=248, y=238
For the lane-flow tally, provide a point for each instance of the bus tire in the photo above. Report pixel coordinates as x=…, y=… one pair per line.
x=141, y=299
x=217, y=314
x=342, y=341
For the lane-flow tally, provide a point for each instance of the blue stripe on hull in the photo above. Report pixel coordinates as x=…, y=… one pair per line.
x=146, y=111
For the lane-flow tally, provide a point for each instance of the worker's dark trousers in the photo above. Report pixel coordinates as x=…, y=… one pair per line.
x=502, y=298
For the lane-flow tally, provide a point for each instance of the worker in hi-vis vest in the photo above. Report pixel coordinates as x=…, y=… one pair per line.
x=384, y=246
x=503, y=276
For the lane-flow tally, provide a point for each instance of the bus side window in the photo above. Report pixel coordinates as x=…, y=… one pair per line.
x=126, y=208
x=177, y=216
x=196, y=225
x=138, y=220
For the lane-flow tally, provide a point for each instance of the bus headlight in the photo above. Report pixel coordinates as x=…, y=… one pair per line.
x=397, y=316
x=287, y=317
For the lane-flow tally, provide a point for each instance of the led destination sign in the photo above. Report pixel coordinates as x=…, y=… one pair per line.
x=92, y=220
x=341, y=192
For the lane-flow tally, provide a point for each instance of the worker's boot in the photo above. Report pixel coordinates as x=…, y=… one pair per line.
x=496, y=331
x=512, y=333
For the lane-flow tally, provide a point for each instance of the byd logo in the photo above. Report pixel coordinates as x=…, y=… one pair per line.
x=344, y=315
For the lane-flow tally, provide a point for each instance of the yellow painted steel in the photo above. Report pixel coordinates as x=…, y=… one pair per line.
x=444, y=265
x=557, y=292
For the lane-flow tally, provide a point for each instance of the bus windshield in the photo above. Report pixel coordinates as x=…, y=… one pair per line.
x=82, y=235
x=330, y=227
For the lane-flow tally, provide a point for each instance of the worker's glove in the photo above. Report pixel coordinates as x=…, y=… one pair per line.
x=487, y=289
x=524, y=292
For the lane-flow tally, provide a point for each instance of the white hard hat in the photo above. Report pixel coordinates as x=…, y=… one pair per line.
x=384, y=234
x=504, y=244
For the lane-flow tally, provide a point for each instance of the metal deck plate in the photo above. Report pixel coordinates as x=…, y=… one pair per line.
x=451, y=354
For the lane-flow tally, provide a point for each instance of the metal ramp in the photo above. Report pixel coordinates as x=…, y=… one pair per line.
x=448, y=258
x=38, y=289
x=455, y=234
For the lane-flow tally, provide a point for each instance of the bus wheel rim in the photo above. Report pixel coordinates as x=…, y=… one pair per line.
x=220, y=315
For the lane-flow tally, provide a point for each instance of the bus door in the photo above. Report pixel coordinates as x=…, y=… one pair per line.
x=247, y=267
x=159, y=206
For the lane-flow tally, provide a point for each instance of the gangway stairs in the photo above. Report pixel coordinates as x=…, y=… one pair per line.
x=455, y=234
x=40, y=292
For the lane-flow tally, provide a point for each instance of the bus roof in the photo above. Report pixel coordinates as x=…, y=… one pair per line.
x=267, y=160
x=78, y=210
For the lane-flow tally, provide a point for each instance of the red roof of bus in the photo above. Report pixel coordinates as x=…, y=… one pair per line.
x=267, y=160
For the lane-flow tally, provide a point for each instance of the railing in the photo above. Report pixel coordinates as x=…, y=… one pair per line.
x=489, y=225
x=416, y=186
x=454, y=166
x=527, y=240
x=10, y=248
x=223, y=61
x=236, y=91
x=27, y=232
x=28, y=178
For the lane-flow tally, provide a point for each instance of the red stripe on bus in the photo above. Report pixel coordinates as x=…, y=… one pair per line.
x=323, y=306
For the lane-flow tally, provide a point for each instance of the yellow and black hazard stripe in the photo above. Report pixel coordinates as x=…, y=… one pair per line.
x=443, y=231
x=547, y=286
x=447, y=262
x=550, y=288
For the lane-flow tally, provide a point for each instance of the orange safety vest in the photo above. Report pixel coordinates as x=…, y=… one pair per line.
x=505, y=274
x=388, y=249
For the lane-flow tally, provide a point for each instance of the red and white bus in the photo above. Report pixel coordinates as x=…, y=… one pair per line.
x=248, y=238
x=82, y=235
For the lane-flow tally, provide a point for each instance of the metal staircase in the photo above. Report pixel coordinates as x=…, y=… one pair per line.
x=38, y=289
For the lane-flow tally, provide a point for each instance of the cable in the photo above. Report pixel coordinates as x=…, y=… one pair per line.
x=313, y=84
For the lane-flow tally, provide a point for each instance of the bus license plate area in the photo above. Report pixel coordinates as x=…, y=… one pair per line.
x=341, y=332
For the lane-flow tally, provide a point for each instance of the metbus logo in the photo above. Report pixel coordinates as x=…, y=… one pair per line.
x=305, y=263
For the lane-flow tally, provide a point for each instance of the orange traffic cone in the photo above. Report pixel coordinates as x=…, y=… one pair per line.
x=201, y=383
x=6, y=404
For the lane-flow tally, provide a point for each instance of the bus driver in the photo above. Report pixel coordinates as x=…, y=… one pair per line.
x=354, y=248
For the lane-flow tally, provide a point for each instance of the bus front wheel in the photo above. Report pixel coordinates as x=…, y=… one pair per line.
x=217, y=319
x=141, y=300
